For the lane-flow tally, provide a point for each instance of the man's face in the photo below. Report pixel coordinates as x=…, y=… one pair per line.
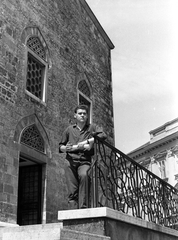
x=81, y=115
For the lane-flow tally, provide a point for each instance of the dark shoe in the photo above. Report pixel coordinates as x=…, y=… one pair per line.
x=83, y=207
x=72, y=205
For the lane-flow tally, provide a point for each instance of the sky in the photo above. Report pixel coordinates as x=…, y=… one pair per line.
x=144, y=65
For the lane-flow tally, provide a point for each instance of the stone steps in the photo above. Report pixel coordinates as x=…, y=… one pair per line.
x=32, y=232
x=67, y=234
x=53, y=231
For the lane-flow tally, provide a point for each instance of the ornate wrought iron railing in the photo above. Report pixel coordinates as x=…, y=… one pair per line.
x=122, y=184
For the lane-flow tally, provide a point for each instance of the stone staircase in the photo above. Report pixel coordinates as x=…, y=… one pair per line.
x=67, y=234
x=53, y=231
x=90, y=224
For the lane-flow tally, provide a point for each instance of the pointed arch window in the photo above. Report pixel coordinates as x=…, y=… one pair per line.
x=31, y=137
x=84, y=97
x=83, y=88
x=37, y=66
x=35, y=45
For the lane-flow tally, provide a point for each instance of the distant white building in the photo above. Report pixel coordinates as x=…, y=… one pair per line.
x=160, y=154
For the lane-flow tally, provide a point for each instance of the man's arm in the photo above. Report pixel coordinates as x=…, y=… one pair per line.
x=65, y=148
x=64, y=144
x=99, y=132
x=84, y=145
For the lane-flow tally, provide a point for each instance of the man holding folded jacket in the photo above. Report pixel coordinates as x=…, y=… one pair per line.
x=77, y=142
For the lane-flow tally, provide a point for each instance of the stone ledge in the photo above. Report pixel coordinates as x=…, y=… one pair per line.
x=104, y=212
x=34, y=227
x=72, y=234
x=52, y=231
x=5, y=224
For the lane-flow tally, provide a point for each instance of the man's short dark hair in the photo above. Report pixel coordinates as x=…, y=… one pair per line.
x=81, y=106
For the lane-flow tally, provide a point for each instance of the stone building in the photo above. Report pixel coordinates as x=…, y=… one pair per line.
x=53, y=55
x=160, y=154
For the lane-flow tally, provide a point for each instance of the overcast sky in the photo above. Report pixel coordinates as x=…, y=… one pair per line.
x=144, y=65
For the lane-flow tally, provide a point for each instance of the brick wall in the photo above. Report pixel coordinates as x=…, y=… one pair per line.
x=77, y=50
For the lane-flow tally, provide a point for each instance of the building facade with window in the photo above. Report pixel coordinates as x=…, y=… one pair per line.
x=160, y=154
x=53, y=56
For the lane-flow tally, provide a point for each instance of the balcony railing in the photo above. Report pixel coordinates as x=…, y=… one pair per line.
x=120, y=183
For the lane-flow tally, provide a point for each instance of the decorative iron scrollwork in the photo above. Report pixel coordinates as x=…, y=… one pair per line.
x=124, y=185
x=32, y=138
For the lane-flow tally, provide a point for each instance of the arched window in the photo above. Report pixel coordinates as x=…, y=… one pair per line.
x=32, y=138
x=83, y=88
x=84, y=97
x=37, y=63
x=36, y=69
x=36, y=46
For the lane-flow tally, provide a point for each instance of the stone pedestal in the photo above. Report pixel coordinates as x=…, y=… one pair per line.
x=117, y=225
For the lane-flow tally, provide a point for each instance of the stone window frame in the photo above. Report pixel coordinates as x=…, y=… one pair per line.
x=29, y=55
x=46, y=61
x=87, y=98
x=25, y=123
x=32, y=138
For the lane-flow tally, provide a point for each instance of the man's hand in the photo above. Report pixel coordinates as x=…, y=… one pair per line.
x=69, y=147
x=84, y=146
x=80, y=146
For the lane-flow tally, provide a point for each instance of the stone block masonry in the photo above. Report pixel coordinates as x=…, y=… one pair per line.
x=76, y=48
x=8, y=63
x=45, y=232
x=114, y=224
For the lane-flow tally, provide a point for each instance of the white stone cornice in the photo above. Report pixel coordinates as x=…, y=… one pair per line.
x=152, y=160
x=169, y=153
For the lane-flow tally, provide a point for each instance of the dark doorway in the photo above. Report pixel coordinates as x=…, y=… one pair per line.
x=29, y=193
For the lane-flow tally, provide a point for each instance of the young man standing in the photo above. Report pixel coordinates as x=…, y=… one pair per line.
x=77, y=142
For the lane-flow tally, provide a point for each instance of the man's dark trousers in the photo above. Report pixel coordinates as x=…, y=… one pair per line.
x=76, y=177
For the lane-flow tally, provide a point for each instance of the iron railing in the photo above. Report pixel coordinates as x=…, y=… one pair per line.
x=120, y=183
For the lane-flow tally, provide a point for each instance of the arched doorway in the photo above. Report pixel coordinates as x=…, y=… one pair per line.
x=33, y=156
x=29, y=208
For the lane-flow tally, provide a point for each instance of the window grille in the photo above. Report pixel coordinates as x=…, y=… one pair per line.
x=83, y=87
x=37, y=65
x=32, y=138
x=35, y=45
x=84, y=97
x=35, y=73
x=84, y=101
